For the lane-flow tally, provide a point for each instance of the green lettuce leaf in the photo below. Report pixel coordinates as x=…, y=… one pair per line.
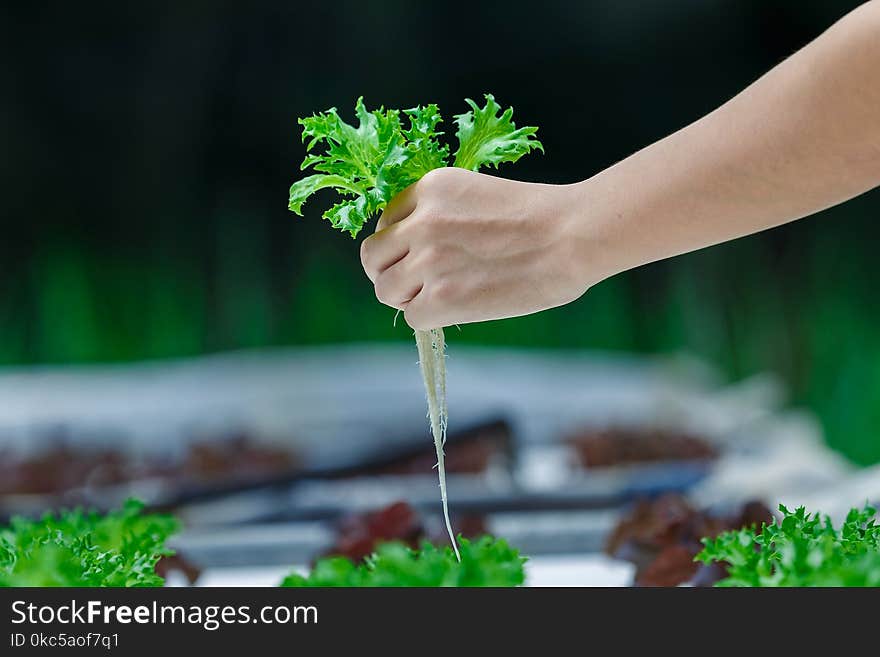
x=486, y=138
x=485, y=562
x=801, y=549
x=372, y=162
x=77, y=548
x=369, y=163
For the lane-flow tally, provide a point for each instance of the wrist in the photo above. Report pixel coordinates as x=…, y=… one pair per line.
x=592, y=227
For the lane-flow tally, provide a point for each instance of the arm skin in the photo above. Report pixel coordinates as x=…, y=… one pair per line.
x=460, y=247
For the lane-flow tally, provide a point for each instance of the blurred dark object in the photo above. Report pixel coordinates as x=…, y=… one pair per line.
x=64, y=473
x=662, y=537
x=359, y=535
x=475, y=449
x=237, y=458
x=597, y=448
x=178, y=563
x=62, y=468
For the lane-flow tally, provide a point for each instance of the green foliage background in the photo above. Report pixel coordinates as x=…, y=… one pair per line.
x=149, y=157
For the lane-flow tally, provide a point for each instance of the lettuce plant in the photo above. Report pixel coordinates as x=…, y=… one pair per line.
x=388, y=150
x=77, y=548
x=486, y=562
x=801, y=549
x=391, y=149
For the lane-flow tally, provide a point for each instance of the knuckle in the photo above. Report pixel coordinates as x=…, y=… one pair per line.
x=437, y=182
x=432, y=222
x=433, y=178
x=444, y=290
x=414, y=319
x=366, y=251
x=430, y=214
x=431, y=256
x=383, y=291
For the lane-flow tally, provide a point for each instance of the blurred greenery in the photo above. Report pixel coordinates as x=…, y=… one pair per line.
x=800, y=304
x=146, y=213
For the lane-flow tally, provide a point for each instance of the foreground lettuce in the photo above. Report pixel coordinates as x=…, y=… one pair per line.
x=486, y=562
x=76, y=548
x=802, y=549
x=391, y=149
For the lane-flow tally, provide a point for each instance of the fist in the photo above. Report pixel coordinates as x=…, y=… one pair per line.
x=459, y=247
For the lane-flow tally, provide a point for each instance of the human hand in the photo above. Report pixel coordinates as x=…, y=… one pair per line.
x=459, y=247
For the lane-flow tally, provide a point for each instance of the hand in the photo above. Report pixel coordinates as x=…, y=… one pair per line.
x=460, y=247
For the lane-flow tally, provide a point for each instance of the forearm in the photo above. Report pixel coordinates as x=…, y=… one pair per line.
x=460, y=246
x=804, y=137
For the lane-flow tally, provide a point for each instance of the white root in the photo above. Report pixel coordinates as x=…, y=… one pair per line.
x=432, y=361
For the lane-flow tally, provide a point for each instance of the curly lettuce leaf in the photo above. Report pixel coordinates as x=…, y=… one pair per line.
x=424, y=150
x=370, y=163
x=486, y=138
x=486, y=562
x=77, y=548
x=801, y=549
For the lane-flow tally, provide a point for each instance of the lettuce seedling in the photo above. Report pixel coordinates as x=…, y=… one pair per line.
x=486, y=562
x=368, y=164
x=801, y=549
x=77, y=548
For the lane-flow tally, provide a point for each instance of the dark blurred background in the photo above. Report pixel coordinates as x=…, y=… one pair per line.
x=148, y=148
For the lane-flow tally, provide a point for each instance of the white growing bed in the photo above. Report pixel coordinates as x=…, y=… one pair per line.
x=292, y=396
x=557, y=570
